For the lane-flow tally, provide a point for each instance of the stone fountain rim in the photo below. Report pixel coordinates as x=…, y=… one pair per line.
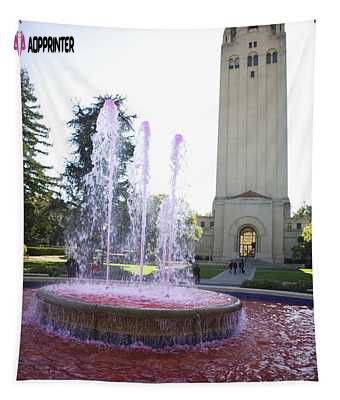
x=44, y=295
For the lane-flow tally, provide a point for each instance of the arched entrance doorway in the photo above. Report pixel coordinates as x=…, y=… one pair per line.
x=247, y=242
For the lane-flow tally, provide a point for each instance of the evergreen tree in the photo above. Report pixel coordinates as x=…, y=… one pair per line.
x=38, y=186
x=83, y=127
x=35, y=143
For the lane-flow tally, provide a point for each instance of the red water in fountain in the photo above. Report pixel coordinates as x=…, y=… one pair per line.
x=276, y=343
x=130, y=296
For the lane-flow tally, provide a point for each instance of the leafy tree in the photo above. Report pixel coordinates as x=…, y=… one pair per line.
x=192, y=233
x=198, y=231
x=39, y=187
x=45, y=221
x=303, y=250
x=307, y=233
x=305, y=211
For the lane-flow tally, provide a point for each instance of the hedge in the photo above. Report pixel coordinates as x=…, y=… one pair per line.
x=45, y=251
x=51, y=268
x=298, y=286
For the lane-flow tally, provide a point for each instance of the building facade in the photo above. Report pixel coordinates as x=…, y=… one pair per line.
x=251, y=210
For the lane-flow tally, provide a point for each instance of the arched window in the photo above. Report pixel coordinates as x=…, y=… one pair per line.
x=247, y=241
x=274, y=57
x=250, y=61
x=231, y=63
x=268, y=58
x=256, y=60
x=237, y=63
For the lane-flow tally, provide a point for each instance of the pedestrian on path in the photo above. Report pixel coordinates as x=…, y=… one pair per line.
x=231, y=267
x=242, y=267
x=235, y=267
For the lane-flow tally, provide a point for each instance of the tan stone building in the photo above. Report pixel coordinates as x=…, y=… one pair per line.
x=251, y=210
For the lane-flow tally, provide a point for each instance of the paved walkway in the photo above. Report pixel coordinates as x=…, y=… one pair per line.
x=227, y=278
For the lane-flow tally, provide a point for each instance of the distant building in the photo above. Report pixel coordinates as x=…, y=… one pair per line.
x=251, y=210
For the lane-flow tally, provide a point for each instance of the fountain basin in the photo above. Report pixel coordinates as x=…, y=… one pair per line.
x=115, y=319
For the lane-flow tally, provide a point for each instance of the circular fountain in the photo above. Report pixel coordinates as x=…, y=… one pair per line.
x=123, y=314
x=157, y=314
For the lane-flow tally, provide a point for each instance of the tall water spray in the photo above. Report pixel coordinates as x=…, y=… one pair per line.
x=175, y=159
x=92, y=227
x=107, y=130
x=171, y=214
x=139, y=178
x=163, y=232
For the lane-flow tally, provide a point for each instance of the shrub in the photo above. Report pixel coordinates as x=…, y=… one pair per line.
x=50, y=268
x=45, y=251
x=298, y=286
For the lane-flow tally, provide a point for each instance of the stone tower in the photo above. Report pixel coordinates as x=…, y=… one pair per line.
x=251, y=202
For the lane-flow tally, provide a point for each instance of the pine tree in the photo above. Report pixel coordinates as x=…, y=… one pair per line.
x=35, y=143
x=83, y=127
x=38, y=186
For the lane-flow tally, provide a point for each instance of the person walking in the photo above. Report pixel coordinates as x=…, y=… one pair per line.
x=196, y=271
x=235, y=267
x=231, y=267
x=242, y=268
x=198, y=274
x=72, y=267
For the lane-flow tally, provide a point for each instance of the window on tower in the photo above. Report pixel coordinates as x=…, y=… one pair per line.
x=231, y=63
x=256, y=60
x=237, y=63
x=274, y=57
x=250, y=45
x=255, y=43
x=252, y=74
x=269, y=58
x=250, y=61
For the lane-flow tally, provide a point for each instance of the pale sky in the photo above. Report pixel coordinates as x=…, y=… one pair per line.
x=171, y=79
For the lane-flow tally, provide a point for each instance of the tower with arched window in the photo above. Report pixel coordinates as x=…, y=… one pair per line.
x=251, y=202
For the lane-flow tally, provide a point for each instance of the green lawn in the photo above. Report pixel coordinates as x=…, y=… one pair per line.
x=56, y=267
x=134, y=269
x=208, y=271
x=300, y=280
x=42, y=265
x=284, y=275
